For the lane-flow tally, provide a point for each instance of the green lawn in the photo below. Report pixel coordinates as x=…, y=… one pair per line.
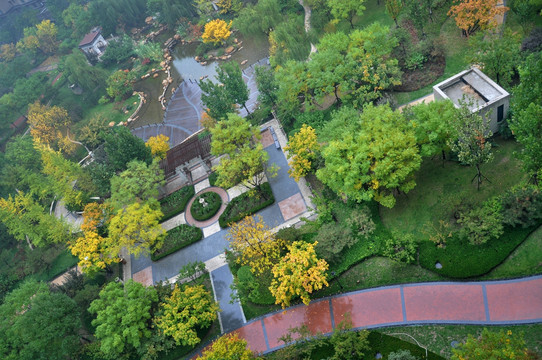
x=525, y=260
x=64, y=261
x=438, y=338
x=442, y=187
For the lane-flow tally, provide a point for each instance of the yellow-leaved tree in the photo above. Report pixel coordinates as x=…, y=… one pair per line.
x=471, y=15
x=302, y=150
x=299, y=273
x=228, y=347
x=48, y=123
x=94, y=251
x=227, y=6
x=159, y=146
x=254, y=244
x=185, y=311
x=46, y=32
x=216, y=31
x=7, y=52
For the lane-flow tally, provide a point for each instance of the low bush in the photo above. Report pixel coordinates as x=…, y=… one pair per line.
x=401, y=248
x=206, y=209
x=522, y=206
x=212, y=178
x=332, y=239
x=176, y=239
x=247, y=204
x=175, y=202
x=461, y=260
x=482, y=223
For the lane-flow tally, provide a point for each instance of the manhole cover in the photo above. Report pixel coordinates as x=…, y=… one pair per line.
x=438, y=265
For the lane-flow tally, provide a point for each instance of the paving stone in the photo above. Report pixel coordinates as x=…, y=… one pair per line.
x=515, y=300
x=292, y=206
x=253, y=334
x=267, y=138
x=144, y=276
x=204, y=184
x=210, y=230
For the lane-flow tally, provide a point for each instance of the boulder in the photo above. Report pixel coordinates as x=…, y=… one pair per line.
x=111, y=124
x=156, y=75
x=229, y=49
x=244, y=62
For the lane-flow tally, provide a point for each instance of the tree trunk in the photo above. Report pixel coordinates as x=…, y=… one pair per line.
x=29, y=243
x=335, y=90
x=248, y=112
x=479, y=175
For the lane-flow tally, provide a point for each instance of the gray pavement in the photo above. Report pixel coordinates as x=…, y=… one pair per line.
x=231, y=316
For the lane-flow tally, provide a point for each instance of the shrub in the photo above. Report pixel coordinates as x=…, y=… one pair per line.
x=332, y=239
x=401, y=247
x=402, y=355
x=175, y=203
x=522, y=206
x=482, y=223
x=247, y=204
x=361, y=222
x=415, y=61
x=212, y=178
x=289, y=234
x=256, y=289
x=206, y=209
x=176, y=239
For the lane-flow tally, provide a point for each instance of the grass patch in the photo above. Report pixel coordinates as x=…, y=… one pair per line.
x=441, y=188
x=206, y=209
x=438, y=338
x=176, y=239
x=175, y=202
x=386, y=344
x=247, y=204
x=63, y=262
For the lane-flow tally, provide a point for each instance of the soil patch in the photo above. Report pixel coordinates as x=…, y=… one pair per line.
x=417, y=79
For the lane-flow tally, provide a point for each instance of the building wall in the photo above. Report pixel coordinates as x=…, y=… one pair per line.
x=491, y=109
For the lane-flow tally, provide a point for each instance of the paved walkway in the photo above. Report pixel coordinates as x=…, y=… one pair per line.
x=484, y=303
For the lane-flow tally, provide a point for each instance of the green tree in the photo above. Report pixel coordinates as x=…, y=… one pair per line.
x=375, y=156
x=38, y=324
x=394, y=8
x=78, y=71
x=261, y=18
x=120, y=84
x=184, y=312
x=138, y=183
x=346, y=9
x=349, y=344
x=482, y=223
x=267, y=85
x=118, y=50
x=149, y=50
x=229, y=74
x=401, y=247
x=122, y=315
x=288, y=41
x=247, y=160
x=497, y=54
x=493, y=345
x=78, y=19
x=170, y=11
x=122, y=147
x=293, y=88
x=215, y=98
x=526, y=123
x=471, y=146
x=432, y=125
x=332, y=239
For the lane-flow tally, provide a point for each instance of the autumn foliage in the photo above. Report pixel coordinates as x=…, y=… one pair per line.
x=47, y=123
x=302, y=148
x=299, y=273
x=159, y=146
x=256, y=246
x=471, y=15
x=228, y=347
x=216, y=31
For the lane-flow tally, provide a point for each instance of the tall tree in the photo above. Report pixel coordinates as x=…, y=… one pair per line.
x=526, y=122
x=346, y=9
x=228, y=347
x=302, y=149
x=375, y=157
x=120, y=84
x=78, y=71
x=216, y=31
x=46, y=32
x=504, y=345
x=261, y=18
x=288, y=41
x=122, y=147
x=267, y=85
x=122, y=315
x=47, y=123
x=432, y=125
x=471, y=15
x=186, y=310
x=299, y=273
x=472, y=145
x=254, y=244
x=229, y=74
x=34, y=322
x=497, y=54
x=394, y=8
x=159, y=146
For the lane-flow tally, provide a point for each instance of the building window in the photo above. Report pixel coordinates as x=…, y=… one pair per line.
x=500, y=113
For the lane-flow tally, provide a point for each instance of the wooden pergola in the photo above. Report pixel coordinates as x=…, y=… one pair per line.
x=198, y=146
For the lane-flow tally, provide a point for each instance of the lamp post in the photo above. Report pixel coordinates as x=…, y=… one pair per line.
x=338, y=282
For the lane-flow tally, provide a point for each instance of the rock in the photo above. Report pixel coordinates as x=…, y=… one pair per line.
x=241, y=48
x=149, y=19
x=229, y=49
x=203, y=63
x=177, y=37
x=156, y=75
x=172, y=90
x=111, y=124
x=244, y=62
x=197, y=58
x=235, y=40
x=169, y=58
x=240, y=43
x=224, y=57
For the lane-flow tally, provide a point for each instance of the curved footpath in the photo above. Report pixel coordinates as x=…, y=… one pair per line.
x=499, y=302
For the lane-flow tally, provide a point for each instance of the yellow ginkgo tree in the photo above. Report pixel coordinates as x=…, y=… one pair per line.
x=299, y=273
x=216, y=31
x=302, y=150
x=159, y=146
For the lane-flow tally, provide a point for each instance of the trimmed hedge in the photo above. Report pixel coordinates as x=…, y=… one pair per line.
x=461, y=260
x=201, y=213
x=245, y=205
x=176, y=239
x=175, y=202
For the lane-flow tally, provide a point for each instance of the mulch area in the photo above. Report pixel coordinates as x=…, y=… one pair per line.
x=417, y=79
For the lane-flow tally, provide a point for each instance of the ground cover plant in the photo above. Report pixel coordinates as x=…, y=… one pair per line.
x=175, y=202
x=205, y=206
x=176, y=239
x=247, y=203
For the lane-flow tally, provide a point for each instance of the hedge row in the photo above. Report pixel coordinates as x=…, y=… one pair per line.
x=245, y=205
x=201, y=213
x=176, y=239
x=175, y=202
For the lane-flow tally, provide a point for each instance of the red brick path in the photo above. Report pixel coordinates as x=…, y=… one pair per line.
x=485, y=303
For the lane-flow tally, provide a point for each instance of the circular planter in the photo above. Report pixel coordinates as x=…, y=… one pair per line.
x=205, y=206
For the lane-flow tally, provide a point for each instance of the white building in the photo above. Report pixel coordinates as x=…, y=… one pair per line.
x=93, y=44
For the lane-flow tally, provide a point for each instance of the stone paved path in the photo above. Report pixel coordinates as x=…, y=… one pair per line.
x=484, y=303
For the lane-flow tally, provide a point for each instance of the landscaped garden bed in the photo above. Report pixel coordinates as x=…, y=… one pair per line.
x=205, y=206
x=175, y=202
x=247, y=204
x=176, y=239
